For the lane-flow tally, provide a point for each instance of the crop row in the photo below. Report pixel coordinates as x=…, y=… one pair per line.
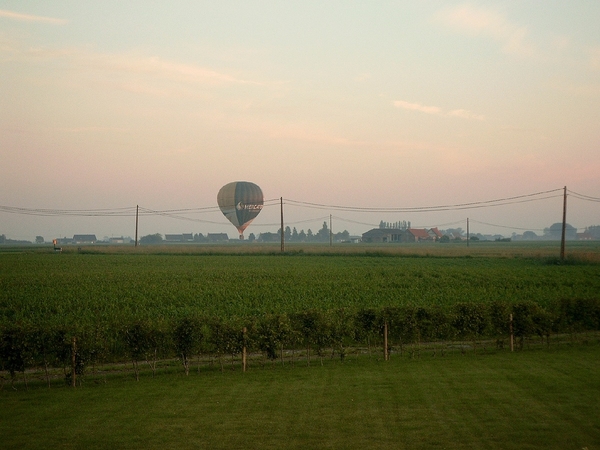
x=76, y=348
x=60, y=290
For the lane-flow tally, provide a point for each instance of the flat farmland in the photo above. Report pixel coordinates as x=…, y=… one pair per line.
x=92, y=287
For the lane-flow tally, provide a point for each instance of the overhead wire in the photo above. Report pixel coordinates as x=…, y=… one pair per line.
x=459, y=206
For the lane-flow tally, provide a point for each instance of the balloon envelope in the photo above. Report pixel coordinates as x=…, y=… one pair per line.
x=240, y=202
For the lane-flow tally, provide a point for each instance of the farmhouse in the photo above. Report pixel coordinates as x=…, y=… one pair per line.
x=217, y=237
x=377, y=235
x=84, y=239
x=185, y=237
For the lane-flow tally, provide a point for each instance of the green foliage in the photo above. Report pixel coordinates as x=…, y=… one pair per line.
x=187, y=336
x=146, y=307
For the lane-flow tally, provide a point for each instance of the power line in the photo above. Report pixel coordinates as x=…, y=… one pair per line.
x=452, y=207
x=584, y=197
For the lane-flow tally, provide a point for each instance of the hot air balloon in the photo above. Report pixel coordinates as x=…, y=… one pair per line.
x=240, y=202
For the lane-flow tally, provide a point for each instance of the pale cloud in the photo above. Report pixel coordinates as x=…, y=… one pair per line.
x=29, y=18
x=436, y=110
x=465, y=114
x=417, y=107
x=487, y=22
x=124, y=64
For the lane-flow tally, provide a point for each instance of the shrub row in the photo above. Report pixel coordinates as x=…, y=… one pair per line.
x=315, y=332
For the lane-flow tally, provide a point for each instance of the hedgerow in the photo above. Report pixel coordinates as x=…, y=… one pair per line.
x=78, y=349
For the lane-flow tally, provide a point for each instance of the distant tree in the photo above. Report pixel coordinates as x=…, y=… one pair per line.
x=382, y=224
x=555, y=231
x=2, y=239
x=251, y=237
x=151, y=239
x=294, y=235
x=287, y=234
x=301, y=236
x=269, y=237
x=39, y=240
x=530, y=235
x=309, y=235
x=343, y=236
x=323, y=233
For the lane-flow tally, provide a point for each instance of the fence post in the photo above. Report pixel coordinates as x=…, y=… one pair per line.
x=512, y=337
x=244, y=349
x=73, y=362
x=386, y=356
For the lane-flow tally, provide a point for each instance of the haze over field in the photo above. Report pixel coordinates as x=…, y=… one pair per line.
x=364, y=104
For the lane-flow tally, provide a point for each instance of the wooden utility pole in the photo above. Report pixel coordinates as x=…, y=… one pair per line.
x=330, y=232
x=564, y=227
x=282, y=232
x=467, y=231
x=137, y=210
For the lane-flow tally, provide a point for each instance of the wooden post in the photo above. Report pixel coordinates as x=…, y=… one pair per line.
x=244, y=350
x=282, y=233
x=386, y=356
x=137, y=211
x=564, y=227
x=512, y=337
x=73, y=362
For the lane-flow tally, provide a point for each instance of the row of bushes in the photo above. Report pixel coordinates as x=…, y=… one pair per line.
x=190, y=335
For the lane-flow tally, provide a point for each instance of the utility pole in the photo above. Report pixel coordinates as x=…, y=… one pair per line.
x=330, y=232
x=282, y=233
x=564, y=227
x=467, y=231
x=137, y=210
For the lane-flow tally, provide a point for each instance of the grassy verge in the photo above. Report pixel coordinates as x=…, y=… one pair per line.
x=531, y=399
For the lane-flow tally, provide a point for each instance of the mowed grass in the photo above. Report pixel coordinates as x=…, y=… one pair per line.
x=527, y=400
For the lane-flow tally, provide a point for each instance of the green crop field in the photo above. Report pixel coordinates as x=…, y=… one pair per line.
x=99, y=287
x=314, y=322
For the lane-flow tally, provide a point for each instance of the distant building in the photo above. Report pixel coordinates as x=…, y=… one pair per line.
x=377, y=235
x=119, y=240
x=217, y=237
x=185, y=237
x=418, y=235
x=585, y=236
x=84, y=239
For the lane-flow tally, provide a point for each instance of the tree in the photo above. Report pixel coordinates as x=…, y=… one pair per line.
x=294, y=235
x=151, y=239
x=323, y=233
x=186, y=337
x=251, y=237
x=39, y=240
x=555, y=231
x=287, y=233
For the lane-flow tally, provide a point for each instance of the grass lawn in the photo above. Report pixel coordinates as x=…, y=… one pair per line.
x=526, y=400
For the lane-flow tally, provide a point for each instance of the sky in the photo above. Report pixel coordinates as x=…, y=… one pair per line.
x=387, y=105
